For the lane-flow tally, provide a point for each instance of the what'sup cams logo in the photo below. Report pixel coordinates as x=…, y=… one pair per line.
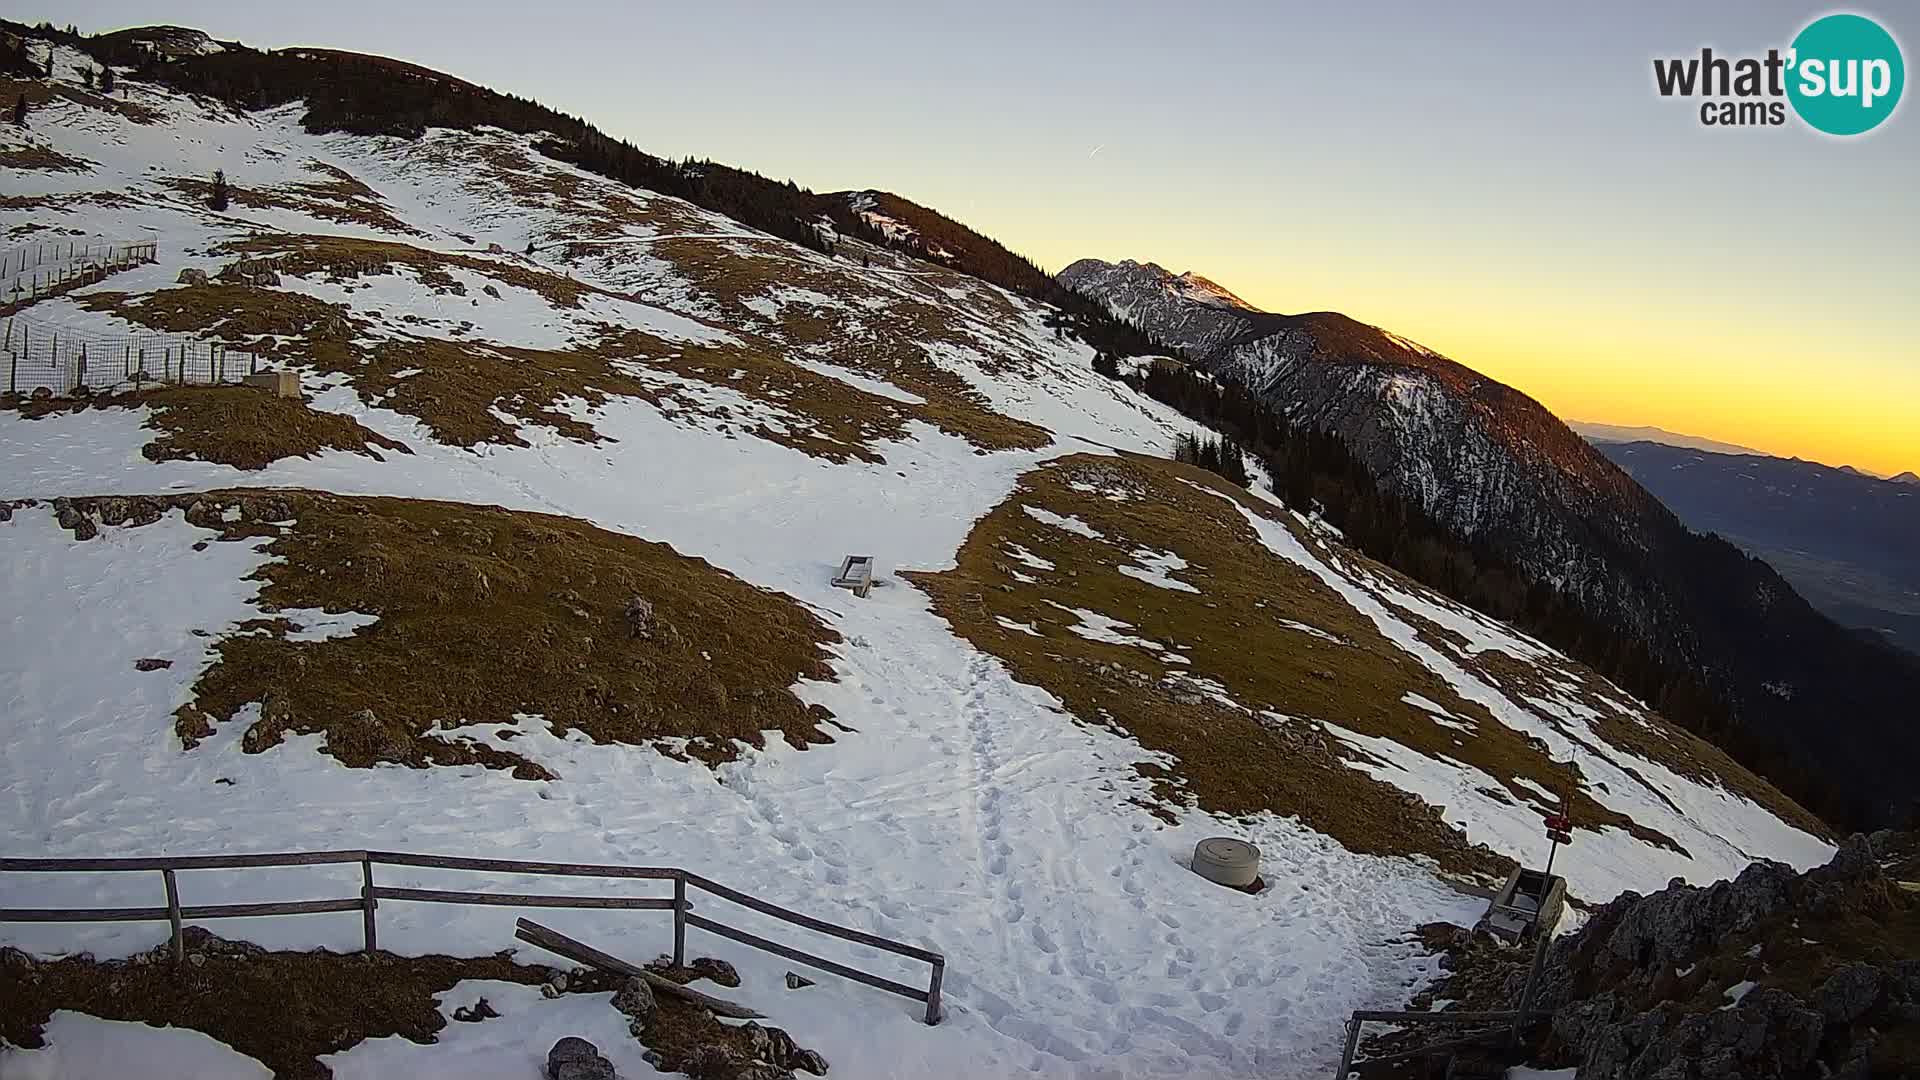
x=1842, y=75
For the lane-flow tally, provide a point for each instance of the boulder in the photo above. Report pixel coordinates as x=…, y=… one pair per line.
x=387, y=742
x=639, y=614
x=635, y=999
x=191, y=276
x=1848, y=993
x=575, y=1058
x=74, y=520
x=718, y=970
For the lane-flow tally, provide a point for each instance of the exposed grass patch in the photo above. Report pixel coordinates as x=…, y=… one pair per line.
x=1231, y=631
x=284, y=1009
x=487, y=615
x=887, y=341
x=1654, y=739
x=343, y=258
x=473, y=392
x=41, y=91
x=594, y=208
x=1234, y=631
x=270, y=322
x=288, y=1009
x=338, y=198
x=41, y=157
x=462, y=389
x=240, y=426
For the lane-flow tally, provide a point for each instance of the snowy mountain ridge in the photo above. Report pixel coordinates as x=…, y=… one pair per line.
x=1185, y=311
x=400, y=613
x=1506, y=481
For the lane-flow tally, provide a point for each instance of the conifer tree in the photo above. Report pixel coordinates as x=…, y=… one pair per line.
x=217, y=199
x=106, y=79
x=20, y=110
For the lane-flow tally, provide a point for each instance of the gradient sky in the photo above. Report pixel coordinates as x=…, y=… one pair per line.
x=1497, y=181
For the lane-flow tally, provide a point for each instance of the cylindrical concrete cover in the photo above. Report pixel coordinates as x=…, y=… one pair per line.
x=1227, y=861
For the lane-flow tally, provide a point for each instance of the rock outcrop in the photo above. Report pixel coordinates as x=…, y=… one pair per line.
x=1771, y=976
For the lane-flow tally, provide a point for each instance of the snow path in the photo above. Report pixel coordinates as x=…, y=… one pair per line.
x=966, y=813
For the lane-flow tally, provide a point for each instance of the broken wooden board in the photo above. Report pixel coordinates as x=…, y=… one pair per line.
x=555, y=942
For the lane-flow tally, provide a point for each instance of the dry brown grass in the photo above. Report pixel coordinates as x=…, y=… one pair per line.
x=486, y=615
x=40, y=91
x=459, y=388
x=889, y=343
x=248, y=428
x=1232, y=632
x=1654, y=739
x=289, y=1009
x=339, y=197
x=41, y=157
x=267, y=321
x=240, y=426
x=342, y=258
x=284, y=1009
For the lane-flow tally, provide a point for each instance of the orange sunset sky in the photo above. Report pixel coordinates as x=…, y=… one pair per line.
x=1499, y=181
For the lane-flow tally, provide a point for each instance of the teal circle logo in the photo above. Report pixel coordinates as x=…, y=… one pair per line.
x=1846, y=74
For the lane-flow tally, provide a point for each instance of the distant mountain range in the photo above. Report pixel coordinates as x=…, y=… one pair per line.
x=1673, y=613
x=1845, y=539
x=1618, y=433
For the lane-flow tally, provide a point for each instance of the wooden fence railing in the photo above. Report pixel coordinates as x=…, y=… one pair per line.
x=176, y=913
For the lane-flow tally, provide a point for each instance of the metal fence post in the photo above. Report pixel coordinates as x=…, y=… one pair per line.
x=1346, y=1055
x=173, y=918
x=680, y=919
x=367, y=904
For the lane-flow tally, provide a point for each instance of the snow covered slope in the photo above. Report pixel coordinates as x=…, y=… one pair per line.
x=1184, y=311
x=1500, y=477
x=664, y=373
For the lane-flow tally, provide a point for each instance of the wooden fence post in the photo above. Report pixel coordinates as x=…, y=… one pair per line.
x=1533, y=979
x=933, y=991
x=173, y=918
x=367, y=904
x=680, y=919
x=1346, y=1055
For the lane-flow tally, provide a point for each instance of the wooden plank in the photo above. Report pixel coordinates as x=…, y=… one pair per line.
x=1505, y=1016
x=812, y=923
x=515, y=866
x=145, y=914
x=534, y=934
x=248, y=911
x=445, y=896
x=180, y=862
x=807, y=958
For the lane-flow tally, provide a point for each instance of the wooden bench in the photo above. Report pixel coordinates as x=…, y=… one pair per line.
x=856, y=575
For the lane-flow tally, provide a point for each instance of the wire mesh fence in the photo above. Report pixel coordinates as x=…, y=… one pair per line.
x=35, y=270
x=67, y=363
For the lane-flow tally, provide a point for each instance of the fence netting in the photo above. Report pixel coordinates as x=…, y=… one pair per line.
x=31, y=271
x=34, y=354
